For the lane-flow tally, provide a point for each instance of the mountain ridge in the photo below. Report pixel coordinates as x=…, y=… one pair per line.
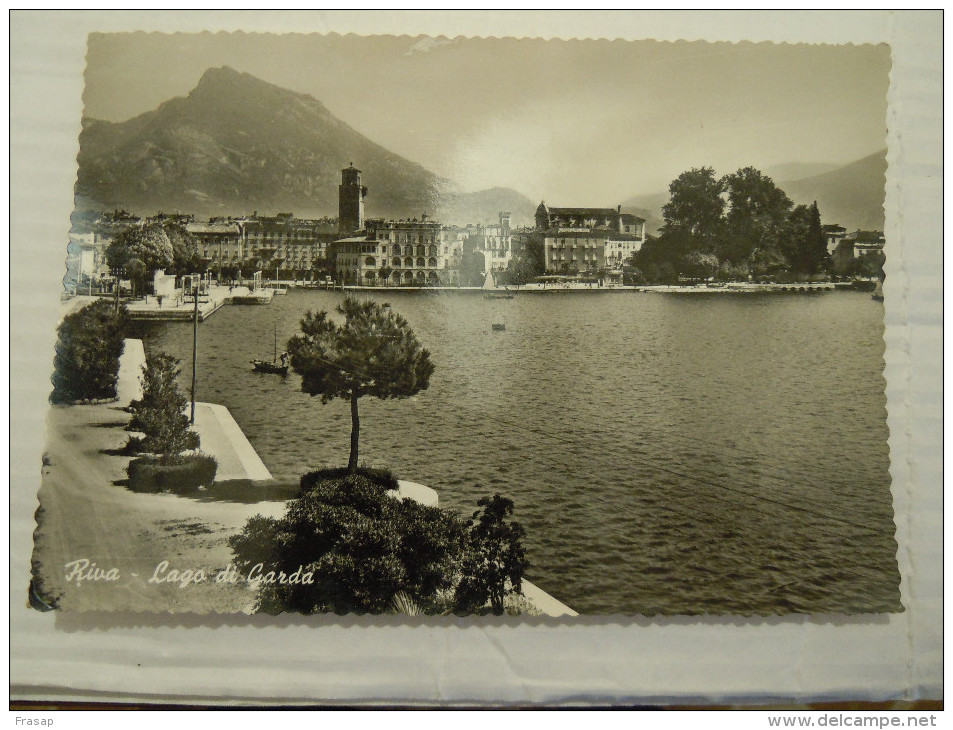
x=236, y=142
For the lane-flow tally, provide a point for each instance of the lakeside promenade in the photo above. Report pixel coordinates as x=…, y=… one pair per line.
x=179, y=310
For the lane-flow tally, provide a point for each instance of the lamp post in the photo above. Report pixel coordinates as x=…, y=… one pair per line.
x=195, y=339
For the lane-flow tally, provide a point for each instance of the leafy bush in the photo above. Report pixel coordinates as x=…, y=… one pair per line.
x=360, y=546
x=351, y=546
x=159, y=413
x=495, y=560
x=88, y=347
x=382, y=477
x=179, y=474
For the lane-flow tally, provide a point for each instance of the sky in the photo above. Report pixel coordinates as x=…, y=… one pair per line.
x=575, y=123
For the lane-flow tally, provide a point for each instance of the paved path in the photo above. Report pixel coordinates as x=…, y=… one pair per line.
x=222, y=437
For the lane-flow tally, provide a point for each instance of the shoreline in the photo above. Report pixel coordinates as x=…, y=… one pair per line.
x=220, y=296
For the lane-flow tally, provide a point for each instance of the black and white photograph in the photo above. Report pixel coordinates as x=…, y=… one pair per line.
x=508, y=326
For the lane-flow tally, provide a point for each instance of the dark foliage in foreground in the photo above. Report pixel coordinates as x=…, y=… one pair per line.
x=495, y=559
x=347, y=544
x=382, y=477
x=88, y=347
x=362, y=547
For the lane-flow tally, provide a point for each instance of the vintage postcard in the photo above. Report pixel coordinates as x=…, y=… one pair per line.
x=458, y=326
x=638, y=334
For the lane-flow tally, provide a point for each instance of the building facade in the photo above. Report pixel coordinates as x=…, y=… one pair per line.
x=285, y=242
x=220, y=242
x=497, y=243
x=588, y=240
x=393, y=253
x=834, y=235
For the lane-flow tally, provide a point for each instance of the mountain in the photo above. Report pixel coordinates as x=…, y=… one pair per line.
x=798, y=170
x=484, y=206
x=852, y=196
x=649, y=207
x=239, y=144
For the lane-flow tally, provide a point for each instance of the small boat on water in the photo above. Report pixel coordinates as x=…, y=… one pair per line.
x=499, y=327
x=278, y=366
x=490, y=290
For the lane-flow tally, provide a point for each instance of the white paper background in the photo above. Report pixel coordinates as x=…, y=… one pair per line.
x=591, y=660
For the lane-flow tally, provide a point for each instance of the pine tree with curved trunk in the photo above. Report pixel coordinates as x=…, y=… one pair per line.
x=374, y=352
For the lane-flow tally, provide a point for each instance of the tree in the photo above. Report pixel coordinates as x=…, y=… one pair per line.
x=150, y=244
x=472, y=268
x=374, y=352
x=159, y=414
x=695, y=205
x=135, y=269
x=495, y=561
x=185, y=249
x=89, y=344
x=698, y=265
x=757, y=213
x=770, y=263
x=665, y=252
x=347, y=545
x=529, y=261
x=813, y=256
x=384, y=273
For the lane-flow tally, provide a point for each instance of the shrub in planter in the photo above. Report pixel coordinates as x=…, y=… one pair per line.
x=179, y=474
x=382, y=477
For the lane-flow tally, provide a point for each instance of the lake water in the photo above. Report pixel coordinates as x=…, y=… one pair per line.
x=667, y=454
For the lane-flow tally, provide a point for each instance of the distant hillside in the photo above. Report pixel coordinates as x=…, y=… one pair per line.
x=648, y=207
x=238, y=144
x=485, y=206
x=852, y=196
x=798, y=170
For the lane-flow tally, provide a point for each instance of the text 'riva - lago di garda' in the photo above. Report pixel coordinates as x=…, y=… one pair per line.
x=85, y=571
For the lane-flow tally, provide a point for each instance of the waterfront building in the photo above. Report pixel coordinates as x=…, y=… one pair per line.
x=407, y=251
x=495, y=242
x=284, y=242
x=587, y=240
x=834, y=235
x=866, y=242
x=220, y=242
x=854, y=245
